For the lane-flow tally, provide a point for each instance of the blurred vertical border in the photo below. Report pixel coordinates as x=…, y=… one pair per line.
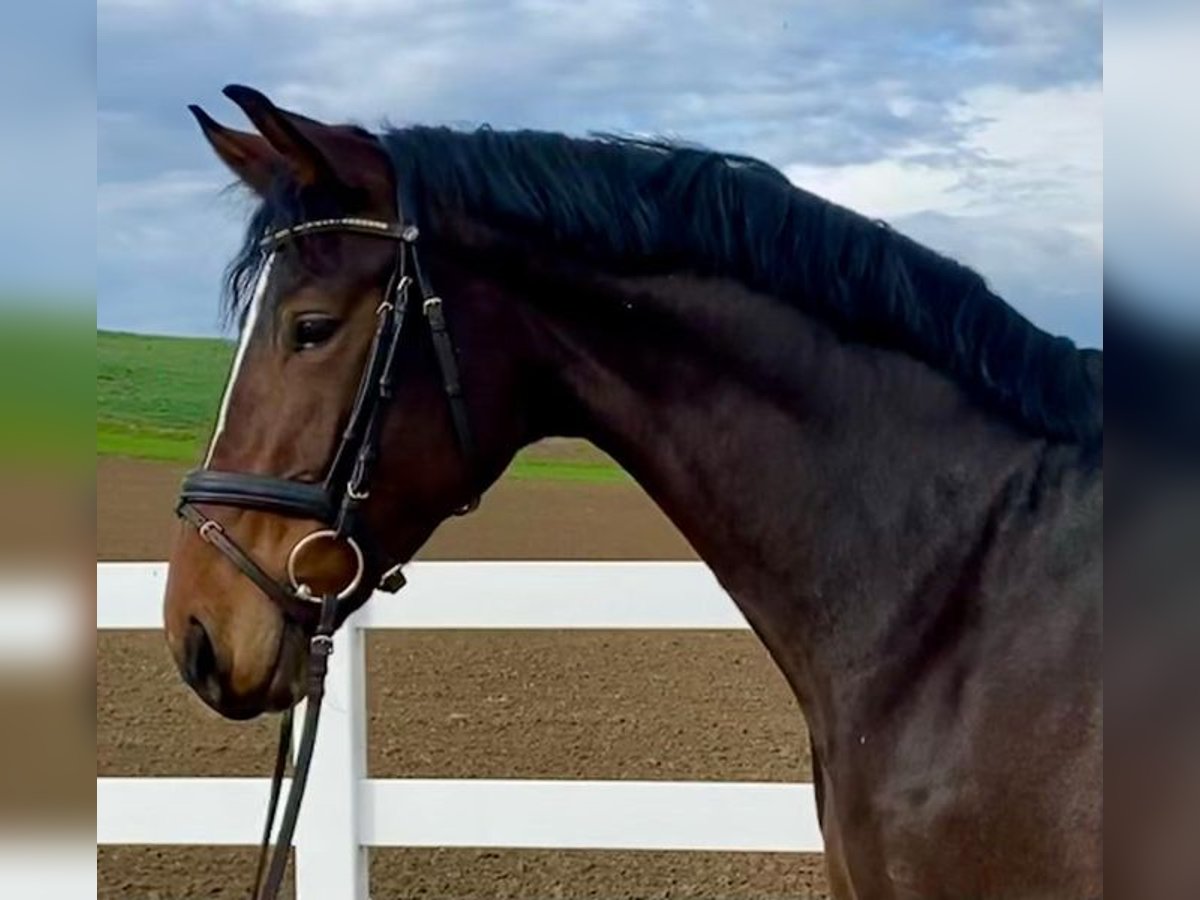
x=47, y=523
x=1152, y=450
x=1152, y=371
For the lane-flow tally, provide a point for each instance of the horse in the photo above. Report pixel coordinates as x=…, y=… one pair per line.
x=895, y=476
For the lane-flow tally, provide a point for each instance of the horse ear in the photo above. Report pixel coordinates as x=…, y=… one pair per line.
x=249, y=156
x=284, y=133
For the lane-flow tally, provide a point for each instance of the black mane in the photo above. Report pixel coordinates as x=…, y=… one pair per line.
x=649, y=203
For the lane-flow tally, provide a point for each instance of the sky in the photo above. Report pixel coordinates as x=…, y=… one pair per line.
x=975, y=128
x=47, y=152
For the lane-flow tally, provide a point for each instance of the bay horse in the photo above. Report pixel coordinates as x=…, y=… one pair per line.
x=896, y=477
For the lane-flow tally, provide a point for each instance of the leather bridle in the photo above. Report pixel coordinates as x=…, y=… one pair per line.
x=335, y=502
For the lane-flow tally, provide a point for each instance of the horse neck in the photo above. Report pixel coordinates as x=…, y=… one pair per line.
x=829, y=485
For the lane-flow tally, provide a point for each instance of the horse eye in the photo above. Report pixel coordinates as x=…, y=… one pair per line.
x=312, y=330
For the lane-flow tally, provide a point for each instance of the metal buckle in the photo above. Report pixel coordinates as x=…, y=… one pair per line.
x=325, y=534
x=322, y=643
x=210, y=527
x=431, y=303
x=354, y=487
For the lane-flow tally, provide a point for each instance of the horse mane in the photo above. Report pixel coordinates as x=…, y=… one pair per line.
x=653, y=204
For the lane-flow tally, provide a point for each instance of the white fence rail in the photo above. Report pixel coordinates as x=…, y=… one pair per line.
x=345, y=812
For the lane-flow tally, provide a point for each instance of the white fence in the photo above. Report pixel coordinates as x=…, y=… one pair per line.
x=345, y=813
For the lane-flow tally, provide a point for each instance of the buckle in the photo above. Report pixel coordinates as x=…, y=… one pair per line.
x=322, y=644
x=210, y=527
x=402, y=286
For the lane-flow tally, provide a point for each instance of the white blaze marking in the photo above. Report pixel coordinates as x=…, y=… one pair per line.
x=260, y=288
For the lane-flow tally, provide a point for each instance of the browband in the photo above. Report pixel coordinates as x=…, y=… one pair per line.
x=372, y=227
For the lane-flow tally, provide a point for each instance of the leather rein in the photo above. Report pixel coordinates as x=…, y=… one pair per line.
x=335, y=502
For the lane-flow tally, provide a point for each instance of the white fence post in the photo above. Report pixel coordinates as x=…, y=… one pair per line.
x=330, y=862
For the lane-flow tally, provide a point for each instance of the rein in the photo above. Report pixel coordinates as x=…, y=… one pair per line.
x=335, y=502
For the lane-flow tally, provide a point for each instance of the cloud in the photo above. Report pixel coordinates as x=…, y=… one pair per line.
x=1020, y=199
x=152, y=194
x=1049, y=149
x=986, y=112
x=162, y=247
x=885, y=188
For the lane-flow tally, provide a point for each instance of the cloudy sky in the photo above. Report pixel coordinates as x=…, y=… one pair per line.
x=974, y=127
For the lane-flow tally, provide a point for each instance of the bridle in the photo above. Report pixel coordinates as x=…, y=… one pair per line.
x=335, y=502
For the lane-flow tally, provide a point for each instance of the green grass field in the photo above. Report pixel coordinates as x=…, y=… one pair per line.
x=46, y=369
x=157, y=398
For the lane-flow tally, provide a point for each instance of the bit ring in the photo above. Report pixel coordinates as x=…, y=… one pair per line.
x=325, y=534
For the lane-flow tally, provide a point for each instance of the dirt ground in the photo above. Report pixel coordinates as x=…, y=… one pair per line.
x=635, y=705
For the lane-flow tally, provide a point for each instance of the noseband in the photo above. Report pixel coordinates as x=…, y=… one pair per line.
x=335, y=502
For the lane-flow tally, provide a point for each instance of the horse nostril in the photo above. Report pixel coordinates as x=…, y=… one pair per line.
x=200, y=659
